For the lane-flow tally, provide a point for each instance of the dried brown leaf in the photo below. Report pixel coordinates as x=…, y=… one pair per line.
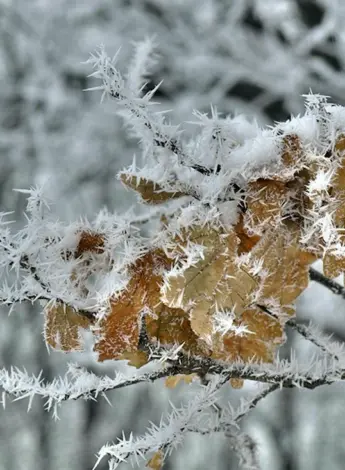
x=174, y=380
x=62, y=327
x=156, y=461
x=91, y=242
x=285, y=263
x=236, y=383
x=259, y=344
x=213, y=282
x=264, y=201
x=150, y=191
x=119, y=330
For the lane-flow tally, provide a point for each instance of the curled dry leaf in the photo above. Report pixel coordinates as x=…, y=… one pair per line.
x=119, y=330
x=150, y=191
x=62, y=327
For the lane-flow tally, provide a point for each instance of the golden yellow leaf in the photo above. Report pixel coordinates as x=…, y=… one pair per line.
x=62, y=327
x=150, y=192
x=156, y=461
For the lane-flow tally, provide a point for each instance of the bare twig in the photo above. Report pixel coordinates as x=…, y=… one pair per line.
x=260, y=396
x=303, y=330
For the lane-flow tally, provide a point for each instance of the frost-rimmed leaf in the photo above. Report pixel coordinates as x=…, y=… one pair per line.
x=119, y=331
x=212, y=282
x=62, y=327
x=150, y=192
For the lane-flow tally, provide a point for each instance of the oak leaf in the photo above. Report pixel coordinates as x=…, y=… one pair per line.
x=219, y=281
x=214, y=282
x=285, y=265
x=265, y=202
x=62, y=327
x=265, y=333
x=119, y=330
x=334, y=264
x=150, y=191
x=91, y=242
x=174, y=380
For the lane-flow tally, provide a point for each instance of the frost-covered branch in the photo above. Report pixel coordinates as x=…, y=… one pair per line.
x=78, y=383
x=145, y=122
x=313, y=334
x=330, y=284
x=169, y=434
x=87, y=385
